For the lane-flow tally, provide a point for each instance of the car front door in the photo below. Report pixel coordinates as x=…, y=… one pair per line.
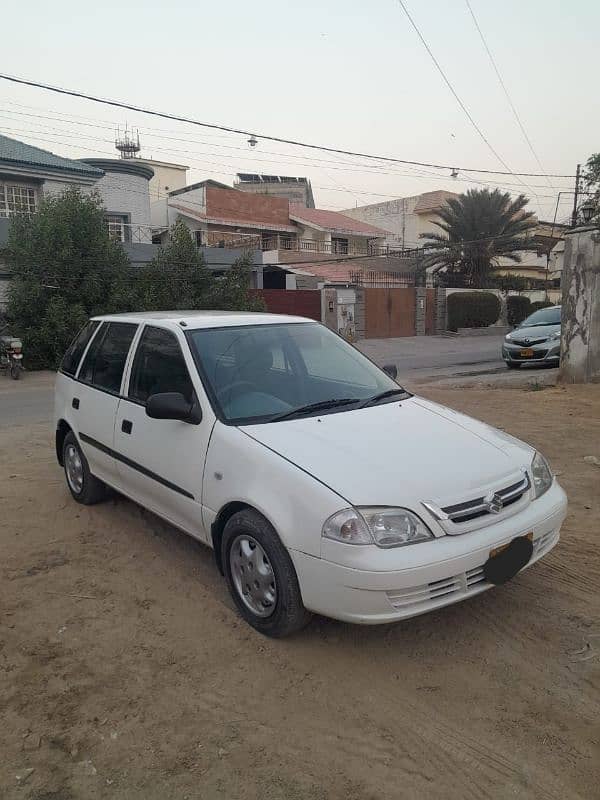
x=160, y=461
x=95, y=396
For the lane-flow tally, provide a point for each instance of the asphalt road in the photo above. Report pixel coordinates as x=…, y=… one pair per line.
x=420, y=357
x=30, y=399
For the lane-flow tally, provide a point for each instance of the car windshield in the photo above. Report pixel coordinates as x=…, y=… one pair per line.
x=544, y=316
x=260, y=373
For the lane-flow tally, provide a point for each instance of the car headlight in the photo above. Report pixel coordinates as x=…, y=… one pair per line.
x=554, y=336
x=541, y=474
x=385, y=527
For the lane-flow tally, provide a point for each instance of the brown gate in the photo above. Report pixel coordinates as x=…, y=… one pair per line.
x=389, y=312
x=430, y=312
x=298, y=302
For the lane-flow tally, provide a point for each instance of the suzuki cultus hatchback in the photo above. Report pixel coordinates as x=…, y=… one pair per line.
x=321, y=484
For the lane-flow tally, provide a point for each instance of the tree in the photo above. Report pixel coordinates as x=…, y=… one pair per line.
x=178, y=278
x=591, y=177
x=479, y=227
x=64, y=267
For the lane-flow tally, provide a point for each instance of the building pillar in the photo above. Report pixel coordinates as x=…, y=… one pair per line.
x=359, y=314
x=580, y=330
x=421, y=310
x=440, y=310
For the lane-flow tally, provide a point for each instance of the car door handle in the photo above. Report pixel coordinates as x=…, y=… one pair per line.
x=126, y=426
x=75, y=402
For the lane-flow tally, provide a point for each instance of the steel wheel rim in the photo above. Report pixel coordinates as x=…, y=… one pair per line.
x=253, y=575
x=74, y=468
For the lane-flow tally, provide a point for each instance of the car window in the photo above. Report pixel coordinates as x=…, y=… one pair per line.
x=253, y=372
x=73, y=355
x=159, y=366
x=544, y=316
x=335, y=361
x=105, y=360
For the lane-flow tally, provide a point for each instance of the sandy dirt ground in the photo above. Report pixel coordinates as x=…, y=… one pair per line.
x=125, y=672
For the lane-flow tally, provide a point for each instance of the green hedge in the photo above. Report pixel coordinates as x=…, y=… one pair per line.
x=472, y=310
x=517, y=308
x=540, y=304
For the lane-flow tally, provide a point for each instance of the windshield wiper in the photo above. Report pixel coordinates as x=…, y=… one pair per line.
x=320, y=406
x=382, y=395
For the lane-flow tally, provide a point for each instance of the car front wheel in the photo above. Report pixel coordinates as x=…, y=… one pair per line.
x=513, y=365
x=261, y=577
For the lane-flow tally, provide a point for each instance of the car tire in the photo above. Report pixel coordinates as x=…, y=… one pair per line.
x=261, y=577
x=512, y=365
x=84, y=487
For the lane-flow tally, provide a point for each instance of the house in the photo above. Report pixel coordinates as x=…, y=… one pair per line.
x=404, y=219
x=125, y=192
x=27, y=174
x=220, y=216
x=167, y=177
x=223, y=217
x=296, y=190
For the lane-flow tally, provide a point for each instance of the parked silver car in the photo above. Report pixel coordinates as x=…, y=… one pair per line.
x=535, y=340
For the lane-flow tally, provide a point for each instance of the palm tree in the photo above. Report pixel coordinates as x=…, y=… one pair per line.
x=480, y=227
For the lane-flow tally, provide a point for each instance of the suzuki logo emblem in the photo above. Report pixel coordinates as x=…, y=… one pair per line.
x=494, y=503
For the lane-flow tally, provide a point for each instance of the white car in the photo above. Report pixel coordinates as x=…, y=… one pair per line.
x=321, y=484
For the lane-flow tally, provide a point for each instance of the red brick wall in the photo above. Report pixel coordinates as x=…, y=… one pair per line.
x=297, y=302
x=231, y=204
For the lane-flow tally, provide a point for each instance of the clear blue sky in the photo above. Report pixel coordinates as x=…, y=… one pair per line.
x=345, y=73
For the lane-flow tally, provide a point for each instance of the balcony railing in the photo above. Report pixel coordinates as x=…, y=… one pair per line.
x=336, y=248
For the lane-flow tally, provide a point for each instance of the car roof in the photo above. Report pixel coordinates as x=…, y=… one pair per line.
x=203, y=319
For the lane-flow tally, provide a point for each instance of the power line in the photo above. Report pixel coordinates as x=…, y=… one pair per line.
x=57, y=133
x=311, y=163
x=454, y=92
x=503, y=85
x=266, y=137
x=462, y=105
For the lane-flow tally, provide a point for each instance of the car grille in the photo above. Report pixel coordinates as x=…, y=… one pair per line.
x=472, y=509
x=466, y=583
x=529, y=342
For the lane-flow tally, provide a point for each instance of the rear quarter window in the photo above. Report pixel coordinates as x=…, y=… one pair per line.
x=77, y=347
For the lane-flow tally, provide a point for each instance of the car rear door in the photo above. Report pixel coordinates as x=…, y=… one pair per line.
x=95, y=396
x=161, y=462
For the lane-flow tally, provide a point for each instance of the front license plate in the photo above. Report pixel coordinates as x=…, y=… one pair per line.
x=502, y=547
x=508, y=559
x=527, y=352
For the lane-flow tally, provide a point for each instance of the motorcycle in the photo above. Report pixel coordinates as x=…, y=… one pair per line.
x=11, y=356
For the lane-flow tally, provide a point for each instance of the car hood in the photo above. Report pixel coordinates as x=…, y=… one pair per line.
x=398, y=453
x=535, y=332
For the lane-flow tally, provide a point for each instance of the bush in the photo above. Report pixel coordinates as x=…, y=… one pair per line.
x=540, y=304
x=472, y=310
x=517, y=308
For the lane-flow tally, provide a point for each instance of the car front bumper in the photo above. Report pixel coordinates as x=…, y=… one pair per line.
x=418, y=581
x=544, y=352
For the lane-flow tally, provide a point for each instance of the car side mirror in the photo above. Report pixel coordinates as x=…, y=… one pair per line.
x=173, y=405
x=391, y=370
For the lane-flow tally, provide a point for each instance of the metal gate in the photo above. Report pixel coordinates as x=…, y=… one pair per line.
x=389, y=313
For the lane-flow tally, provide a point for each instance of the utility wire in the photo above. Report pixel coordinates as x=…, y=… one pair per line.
x=311, y=163
x=505, y=90
x=57, y=134
x=462, y=105
x=242, y=132
x=454, y=92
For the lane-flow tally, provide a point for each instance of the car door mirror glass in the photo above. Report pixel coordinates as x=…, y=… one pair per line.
x=391, y=370
x=173, y=405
